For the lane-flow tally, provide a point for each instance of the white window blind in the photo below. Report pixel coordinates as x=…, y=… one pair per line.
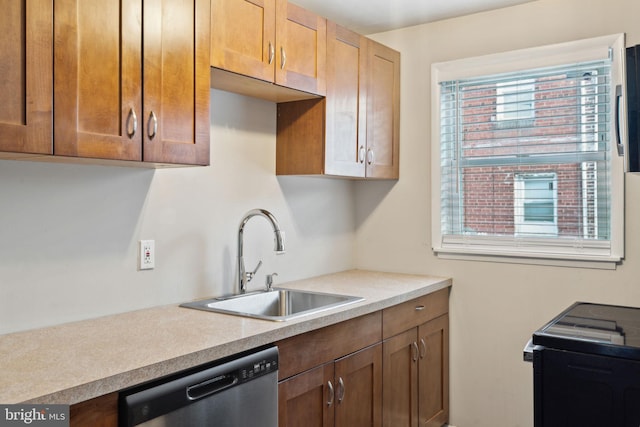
x=526, y=163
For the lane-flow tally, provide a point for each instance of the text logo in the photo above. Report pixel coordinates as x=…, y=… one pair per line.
x=34, y=415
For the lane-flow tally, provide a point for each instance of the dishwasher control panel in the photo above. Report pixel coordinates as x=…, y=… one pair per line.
x=259, y=368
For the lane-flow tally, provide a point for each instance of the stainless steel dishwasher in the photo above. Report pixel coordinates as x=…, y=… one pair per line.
x=238, y=392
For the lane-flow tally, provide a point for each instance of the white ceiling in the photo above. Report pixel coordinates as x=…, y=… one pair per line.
x=374, y=16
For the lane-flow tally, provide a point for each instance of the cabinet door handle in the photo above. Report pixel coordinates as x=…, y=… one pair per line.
x=331, y=394
x=283, y=57
x=423, y=348
x=370, y=156
x=132, y=123
x=361, y=154
x=152, y=125
x=341, y=390
x=415, y=351
x=272, y=52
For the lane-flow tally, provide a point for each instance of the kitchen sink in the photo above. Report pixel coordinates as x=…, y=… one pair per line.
x=277, y=304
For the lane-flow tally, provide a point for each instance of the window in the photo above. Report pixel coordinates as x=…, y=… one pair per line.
x=524, y=155
x=535, y=204
x=515, y=100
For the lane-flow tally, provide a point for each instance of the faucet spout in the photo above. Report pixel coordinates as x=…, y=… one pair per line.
x=243, y=276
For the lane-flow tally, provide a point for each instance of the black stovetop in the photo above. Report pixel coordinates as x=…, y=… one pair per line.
x=594, y=328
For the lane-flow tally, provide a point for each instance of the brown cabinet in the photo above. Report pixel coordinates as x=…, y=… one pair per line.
x=137, y=89
x=26, y=70
x=332, y=376
x=416, y=362
x=99, y=412
x=346, y=114
x=270, y=40
x=358, y=389
x=344, y=393
x=304, y=399
x=383, y=112
x=354, y=131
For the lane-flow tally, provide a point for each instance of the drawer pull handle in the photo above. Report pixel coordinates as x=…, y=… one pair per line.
x=132, y=123
x=415, y=351
x=331, y=394
x=341, y=390
x=283, y=58
x=152, y=125
x=272, y=53
x=370, y=158
x=419, y=307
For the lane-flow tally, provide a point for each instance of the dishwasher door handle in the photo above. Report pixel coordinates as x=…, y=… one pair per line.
x=209, y=387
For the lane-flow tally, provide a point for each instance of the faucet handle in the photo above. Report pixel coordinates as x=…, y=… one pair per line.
x=250, y=274
x=269, y=280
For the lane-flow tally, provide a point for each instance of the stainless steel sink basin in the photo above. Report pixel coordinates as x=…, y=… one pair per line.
x=277, y=305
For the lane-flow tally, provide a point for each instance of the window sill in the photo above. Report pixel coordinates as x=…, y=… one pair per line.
x=599, y=263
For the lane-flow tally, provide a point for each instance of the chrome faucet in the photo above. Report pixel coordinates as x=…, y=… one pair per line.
x=244, y=276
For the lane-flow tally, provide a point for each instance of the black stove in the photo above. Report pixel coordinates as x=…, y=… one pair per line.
x=586, y=364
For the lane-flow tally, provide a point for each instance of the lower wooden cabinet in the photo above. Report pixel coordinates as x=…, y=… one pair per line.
x=416, y=376
x=332, y=376
x=416, y=364
x=433, y=372
x=344, y=393
x=358, y=389
x=99, y=412
x=304, y=399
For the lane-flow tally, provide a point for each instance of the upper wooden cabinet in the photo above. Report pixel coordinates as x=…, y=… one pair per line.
x=271, y=40
x=354, y=131
x=346, y=113
x=243, y=37
x=383, y=112
x=26, y=70
x=300, y=48
x=109, y=104
x=176, y=81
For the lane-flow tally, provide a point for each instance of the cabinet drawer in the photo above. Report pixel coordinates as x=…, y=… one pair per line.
x=412, y=313
x=303, y=352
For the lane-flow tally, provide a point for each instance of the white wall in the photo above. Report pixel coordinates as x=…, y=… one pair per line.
x=494, y=307
x=68, y=233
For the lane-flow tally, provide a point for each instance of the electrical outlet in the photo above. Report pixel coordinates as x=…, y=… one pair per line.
x=147, y=254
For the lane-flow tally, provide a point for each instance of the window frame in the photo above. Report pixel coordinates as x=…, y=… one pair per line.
x=543, y=250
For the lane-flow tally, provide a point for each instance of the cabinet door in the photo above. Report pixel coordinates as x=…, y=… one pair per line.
x=358, y=378
x=97, y=82
x=301, y=48
x=345, y=103
x=99, y=412
x=176, y=81
x=400, y=380
x=383, y=112
x=26, y=70
x=307, y=399
x=433, y=372
x=243, y=37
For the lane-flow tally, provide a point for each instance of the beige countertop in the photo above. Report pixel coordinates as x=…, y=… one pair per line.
x=78, y=361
